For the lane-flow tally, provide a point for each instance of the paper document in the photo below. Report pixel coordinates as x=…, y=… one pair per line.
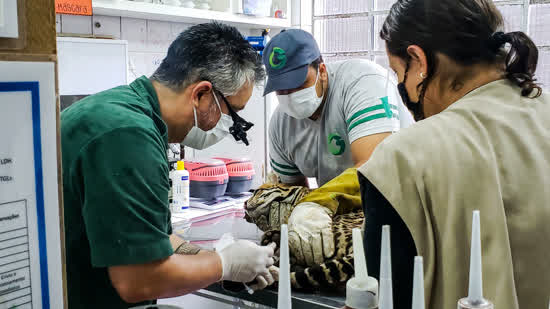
x=30, y=246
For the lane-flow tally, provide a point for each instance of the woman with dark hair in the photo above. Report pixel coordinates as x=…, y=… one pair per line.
x=482, y=141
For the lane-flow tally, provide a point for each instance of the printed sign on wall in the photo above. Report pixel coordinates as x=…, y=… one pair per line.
x=74, y=7
x=30, y=244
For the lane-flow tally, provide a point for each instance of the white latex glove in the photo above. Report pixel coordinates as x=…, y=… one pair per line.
x=265, y=281
x=310, y=237
x=243, y=260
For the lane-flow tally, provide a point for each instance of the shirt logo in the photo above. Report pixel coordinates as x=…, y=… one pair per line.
x=387, y=108
x=336, y=144
x=277, y=59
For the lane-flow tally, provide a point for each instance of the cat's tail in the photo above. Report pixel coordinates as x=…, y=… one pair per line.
x=332, y=273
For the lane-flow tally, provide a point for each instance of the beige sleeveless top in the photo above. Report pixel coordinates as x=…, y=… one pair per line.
x=489, y=151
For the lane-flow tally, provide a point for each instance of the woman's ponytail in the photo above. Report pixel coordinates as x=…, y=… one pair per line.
x=521, y=63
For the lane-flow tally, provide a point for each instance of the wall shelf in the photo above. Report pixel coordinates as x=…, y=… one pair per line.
x=163, y=12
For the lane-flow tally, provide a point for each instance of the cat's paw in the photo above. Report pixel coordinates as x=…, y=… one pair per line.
x=310, y=236
x=272, y=236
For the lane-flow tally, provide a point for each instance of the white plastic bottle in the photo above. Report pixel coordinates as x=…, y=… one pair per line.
x=180, y=188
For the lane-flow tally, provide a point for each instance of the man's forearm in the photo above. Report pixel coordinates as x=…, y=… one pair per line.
x=182, y=246
x=177, y=275
x=176, y=241
x=200, y=271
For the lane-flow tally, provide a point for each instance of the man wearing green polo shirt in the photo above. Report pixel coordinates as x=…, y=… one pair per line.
x=119, y=243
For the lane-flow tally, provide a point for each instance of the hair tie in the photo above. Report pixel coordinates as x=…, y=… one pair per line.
x=497, y=40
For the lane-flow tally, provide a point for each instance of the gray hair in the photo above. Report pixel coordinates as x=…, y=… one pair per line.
x=212, y=52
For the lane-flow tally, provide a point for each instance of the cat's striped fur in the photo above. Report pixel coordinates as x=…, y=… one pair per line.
x=271, y=205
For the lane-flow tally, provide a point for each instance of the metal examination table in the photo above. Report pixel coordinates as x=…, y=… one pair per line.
x=268, y=299
x=260, y=299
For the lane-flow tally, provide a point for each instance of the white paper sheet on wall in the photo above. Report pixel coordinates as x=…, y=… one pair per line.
x=30, y=250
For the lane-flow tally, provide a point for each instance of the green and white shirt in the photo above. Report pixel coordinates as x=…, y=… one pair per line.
x=358, y=104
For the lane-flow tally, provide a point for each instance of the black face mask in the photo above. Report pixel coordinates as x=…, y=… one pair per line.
x=240, y=126
x=415, y=107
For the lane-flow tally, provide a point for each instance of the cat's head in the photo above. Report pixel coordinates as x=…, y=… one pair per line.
x=270, y=205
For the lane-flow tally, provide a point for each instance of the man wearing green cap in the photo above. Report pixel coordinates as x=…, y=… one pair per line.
x=330, y=116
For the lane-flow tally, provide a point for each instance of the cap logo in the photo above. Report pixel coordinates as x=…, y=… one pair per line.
x=277, y=59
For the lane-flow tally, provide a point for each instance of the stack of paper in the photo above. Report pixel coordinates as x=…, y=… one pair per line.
x=215, y=204
x=220, y=202
x=208, y=220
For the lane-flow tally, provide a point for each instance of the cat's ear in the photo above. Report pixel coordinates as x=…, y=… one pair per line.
x=272, y=180
x=266, y=185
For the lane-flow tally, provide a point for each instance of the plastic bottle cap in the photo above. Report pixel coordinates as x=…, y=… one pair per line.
x=362, y=294
x=362, y=290
x=465, y=303
x=180, y=166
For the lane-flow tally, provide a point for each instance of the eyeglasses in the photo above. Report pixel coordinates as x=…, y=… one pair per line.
x=240, y=126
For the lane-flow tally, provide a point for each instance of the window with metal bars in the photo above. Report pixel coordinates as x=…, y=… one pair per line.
x=347, y=29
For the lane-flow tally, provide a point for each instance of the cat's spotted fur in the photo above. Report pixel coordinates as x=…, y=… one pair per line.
x=271, y=205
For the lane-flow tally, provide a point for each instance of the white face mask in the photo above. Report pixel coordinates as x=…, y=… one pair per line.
x=301, y=104
x=199, y=139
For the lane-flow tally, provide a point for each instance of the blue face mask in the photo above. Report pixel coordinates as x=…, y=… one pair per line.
x=416, y=108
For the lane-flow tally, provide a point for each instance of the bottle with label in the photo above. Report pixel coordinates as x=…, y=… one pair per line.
x=180, y=188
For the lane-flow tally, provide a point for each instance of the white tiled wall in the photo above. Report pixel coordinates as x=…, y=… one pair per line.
x=539, y=23
x=58, y=23
x=159, y=36
x=331, y=7
x=513, y=18
x=148, y=40
x=302, y=15
x=76, y=24
x=543, y=69
x=337, y=35
x=343, y=34
x=106, y=26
